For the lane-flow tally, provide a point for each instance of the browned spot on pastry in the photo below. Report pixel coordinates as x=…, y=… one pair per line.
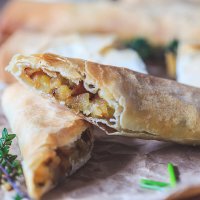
x=86, y=137
x=48, y=161
x=51, y=59
x=40, y=184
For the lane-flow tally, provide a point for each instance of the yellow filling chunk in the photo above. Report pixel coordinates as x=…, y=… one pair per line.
x=75, y=96
x=46, y=174
x=42, y=82
x=63, y=92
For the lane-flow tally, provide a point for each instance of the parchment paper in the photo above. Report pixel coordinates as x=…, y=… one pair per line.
x=118, y=164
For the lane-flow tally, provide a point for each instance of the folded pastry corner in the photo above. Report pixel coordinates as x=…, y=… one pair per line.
x=53, y=143
x=118, y=100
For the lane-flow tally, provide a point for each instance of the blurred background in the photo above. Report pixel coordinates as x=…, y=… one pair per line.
x=159, y=37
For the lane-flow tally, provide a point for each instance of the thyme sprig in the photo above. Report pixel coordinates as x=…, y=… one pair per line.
x=10, y=167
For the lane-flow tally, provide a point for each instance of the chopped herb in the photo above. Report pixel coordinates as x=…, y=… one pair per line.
x=172, y=175
x=153, y=185
x=157, y=185
x=152, y=182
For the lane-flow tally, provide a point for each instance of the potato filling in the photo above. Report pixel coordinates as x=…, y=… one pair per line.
x=75, y=96
x=67, y=156
x=80, y=149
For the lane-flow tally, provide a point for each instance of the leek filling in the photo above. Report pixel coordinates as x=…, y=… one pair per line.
x=75, y=96
x=67, y=156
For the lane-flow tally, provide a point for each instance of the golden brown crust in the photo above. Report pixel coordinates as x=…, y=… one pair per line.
x=156, y=19
x=147, y=107
x=43, y=129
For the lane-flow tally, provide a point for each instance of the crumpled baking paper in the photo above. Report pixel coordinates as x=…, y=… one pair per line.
x=117, y=165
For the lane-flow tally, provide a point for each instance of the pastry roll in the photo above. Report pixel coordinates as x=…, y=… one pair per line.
x=54, y=143
x=118, y=100
x=159, y=22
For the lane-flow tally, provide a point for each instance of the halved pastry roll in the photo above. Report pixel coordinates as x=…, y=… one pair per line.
x=118, y=100
x=53, y=142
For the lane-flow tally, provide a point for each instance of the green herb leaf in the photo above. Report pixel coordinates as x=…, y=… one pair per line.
x=8, y=143
x=1, y=153
x=5, y=150
x=157, y=185
x=17, y=197
x=12, y=157
x=172, y=46
x=3, y=163
x=141, y=45
x=10, y=137
x=154, y=183
x=172, y=175
x=10, y=167
x=4, y=133
x=1, y=143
